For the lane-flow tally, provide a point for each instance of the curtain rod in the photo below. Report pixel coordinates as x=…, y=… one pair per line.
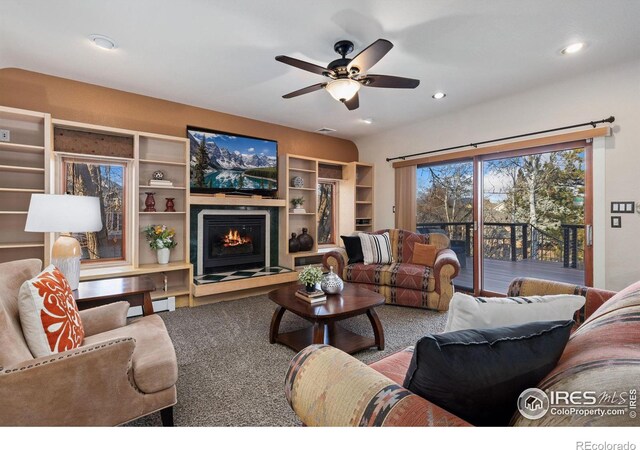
x=610, y=119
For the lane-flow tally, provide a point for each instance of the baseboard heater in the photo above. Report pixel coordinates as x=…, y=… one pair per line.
x=164, y=304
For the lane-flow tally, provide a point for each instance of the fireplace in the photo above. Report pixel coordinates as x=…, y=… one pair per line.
x=232, y=240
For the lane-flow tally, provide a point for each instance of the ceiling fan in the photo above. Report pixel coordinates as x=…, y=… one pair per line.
x=348, y=75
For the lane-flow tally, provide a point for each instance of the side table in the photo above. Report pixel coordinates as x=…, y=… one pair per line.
x=135, y=290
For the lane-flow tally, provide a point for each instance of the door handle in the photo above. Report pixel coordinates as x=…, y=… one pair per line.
x=589, y=235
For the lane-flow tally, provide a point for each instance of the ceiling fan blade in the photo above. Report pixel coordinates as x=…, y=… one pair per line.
x=368, y=57
x=388, y=81
x=352, y=104
x=305, y=66
x=314, y=87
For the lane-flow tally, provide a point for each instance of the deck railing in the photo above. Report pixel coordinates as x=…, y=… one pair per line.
x=515, y=241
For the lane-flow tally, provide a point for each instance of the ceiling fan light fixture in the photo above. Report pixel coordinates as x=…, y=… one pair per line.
x=343, y=89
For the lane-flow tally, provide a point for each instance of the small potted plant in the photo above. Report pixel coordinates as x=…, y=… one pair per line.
x=297, y=203
x=310, y=276
x=162, y=239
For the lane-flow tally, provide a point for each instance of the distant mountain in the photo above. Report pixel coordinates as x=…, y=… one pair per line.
x=221, y=158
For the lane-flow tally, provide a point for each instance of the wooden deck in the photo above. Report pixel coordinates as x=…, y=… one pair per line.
x=498, y=274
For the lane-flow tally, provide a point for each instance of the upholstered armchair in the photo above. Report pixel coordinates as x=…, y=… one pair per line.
x=121, y=372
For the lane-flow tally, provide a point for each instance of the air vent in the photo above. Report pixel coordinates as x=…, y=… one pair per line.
x=325, y=130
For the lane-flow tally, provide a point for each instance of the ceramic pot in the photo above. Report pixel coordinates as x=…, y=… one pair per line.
x=294, y=245
x=305, y=240
x=163, y=255
x=310, y=287
x=170, y=206
x=332, y=283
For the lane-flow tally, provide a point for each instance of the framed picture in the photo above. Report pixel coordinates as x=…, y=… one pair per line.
x=616, y=222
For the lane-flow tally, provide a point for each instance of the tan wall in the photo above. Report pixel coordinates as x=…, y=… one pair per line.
x=83, y=102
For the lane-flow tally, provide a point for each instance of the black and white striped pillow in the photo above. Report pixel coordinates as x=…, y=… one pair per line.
x=376, y=248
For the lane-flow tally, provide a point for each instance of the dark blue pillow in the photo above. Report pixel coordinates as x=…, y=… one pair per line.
x=353, y=246
x=479, y=374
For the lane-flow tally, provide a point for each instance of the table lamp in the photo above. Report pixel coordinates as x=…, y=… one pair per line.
x=64, y=214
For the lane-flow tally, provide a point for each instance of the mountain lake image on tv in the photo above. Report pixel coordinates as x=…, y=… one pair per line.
x=223, y=162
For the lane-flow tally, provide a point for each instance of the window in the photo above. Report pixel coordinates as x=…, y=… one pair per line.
x=327, y=208
x=105, y=180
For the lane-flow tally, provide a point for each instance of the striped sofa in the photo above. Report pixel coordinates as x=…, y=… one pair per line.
x=404, y=282
x=326, y=387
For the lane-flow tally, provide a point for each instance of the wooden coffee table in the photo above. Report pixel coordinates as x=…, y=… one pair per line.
x=353, y=301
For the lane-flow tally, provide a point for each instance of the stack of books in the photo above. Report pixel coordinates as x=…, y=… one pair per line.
x=311, y=297
x=160, y=183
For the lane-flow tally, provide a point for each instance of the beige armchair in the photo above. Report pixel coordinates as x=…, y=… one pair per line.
x=121, y=372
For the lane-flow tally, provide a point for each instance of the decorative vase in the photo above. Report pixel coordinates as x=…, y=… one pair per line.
x=310, y=287
x=297, y=182
x=163, y=255
x=170, y=205
x=150, y=202
x=305, y=240
x=294, y=245
x=332, y=283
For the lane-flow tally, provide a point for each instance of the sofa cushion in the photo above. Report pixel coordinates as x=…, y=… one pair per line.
x=394, y=366
x=479, y=374
x=467, y=312
x=49, y=315
x=12, y=274
x=411, y=276
x=424, y=254
x=353, y=247
x=376, y=248
x=154, y=359
x=603, y=355
x=366, y=273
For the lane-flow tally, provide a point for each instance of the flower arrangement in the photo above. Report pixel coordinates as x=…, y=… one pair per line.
x=160, y=236
x=310, y=276
x=297, y=202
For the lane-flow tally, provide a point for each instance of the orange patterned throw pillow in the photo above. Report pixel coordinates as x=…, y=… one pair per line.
x=49, y=315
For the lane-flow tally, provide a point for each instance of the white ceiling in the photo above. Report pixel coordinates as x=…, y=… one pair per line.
x=220, y=54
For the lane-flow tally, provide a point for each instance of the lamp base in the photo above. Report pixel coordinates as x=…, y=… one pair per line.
x=65, y=255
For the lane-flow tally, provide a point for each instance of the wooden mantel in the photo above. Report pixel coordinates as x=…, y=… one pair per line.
x=237, y=201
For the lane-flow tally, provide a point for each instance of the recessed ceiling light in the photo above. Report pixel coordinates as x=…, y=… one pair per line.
x=102, y=41
x=439, y=95
x=368, y=120
x=573, y=48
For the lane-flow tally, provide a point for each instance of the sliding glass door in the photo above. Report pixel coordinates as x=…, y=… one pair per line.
x=445, y=205
x=532, y=208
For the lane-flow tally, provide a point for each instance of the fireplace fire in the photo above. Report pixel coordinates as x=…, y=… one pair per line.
x=233, y=239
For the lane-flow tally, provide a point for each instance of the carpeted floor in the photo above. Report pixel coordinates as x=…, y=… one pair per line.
x=229, y=374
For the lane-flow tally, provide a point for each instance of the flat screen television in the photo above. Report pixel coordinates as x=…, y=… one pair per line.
x=232, y=163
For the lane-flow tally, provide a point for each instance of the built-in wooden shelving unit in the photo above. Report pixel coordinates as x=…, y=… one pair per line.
x=24, y=165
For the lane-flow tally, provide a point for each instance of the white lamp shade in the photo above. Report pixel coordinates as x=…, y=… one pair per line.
x=343, y=89
x=63, y=214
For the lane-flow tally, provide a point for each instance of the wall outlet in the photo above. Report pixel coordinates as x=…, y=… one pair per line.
x=5, y=136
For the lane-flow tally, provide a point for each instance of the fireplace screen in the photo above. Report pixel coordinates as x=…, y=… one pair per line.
x=233, y=242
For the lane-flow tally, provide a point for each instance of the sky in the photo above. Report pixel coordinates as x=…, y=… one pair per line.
x=243, y=145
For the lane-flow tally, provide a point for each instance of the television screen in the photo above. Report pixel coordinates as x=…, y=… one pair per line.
x=224, y=162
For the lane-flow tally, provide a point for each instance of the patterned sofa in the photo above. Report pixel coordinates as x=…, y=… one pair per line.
x=326, y=387
x=403, y=282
